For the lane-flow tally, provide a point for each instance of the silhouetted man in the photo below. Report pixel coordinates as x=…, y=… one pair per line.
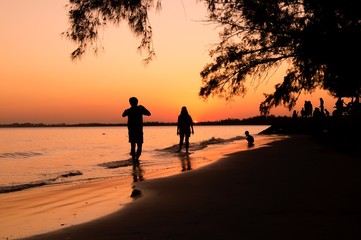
x=135, y=127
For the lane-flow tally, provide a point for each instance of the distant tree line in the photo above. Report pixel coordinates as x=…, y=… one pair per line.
x=259, y=120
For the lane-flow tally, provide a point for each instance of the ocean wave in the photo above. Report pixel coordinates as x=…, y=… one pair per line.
x=201, y=145
x=19, y=187
x=194, y=146
x=214, y=140
x=116, y=164
x=19, y=154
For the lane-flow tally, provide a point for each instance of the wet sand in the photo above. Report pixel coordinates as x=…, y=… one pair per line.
x=51, y=207
x=293, y=189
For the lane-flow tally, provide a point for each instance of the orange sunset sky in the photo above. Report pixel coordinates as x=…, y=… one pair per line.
x=41, y=84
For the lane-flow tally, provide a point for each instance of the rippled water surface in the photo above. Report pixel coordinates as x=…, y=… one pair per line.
x=31, y=157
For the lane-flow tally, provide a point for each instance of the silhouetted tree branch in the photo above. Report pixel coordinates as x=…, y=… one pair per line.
x=87, y=17
x=318, y=40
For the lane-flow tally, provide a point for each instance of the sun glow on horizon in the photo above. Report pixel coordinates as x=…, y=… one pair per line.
x=40, y=84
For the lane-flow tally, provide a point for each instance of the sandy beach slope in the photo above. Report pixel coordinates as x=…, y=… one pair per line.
x=293, y=189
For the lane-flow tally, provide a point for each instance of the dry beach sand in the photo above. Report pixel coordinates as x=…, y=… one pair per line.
x=294, y=188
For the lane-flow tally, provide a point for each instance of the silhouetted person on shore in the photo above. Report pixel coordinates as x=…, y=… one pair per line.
x=340, y=107
x=303, y=112
x=308, y=108
x=135, y=127
x=249, y=138
x=184, y=128
x=322, y=107
x=327, y=114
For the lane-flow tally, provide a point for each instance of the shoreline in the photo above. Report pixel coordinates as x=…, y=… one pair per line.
x=49, y=208
x=293, y=189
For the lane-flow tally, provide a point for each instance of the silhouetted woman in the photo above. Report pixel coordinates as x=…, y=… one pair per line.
x=184, y=128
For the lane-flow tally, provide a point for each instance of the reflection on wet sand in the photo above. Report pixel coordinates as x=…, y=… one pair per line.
x=137, y=173
x=185, y=162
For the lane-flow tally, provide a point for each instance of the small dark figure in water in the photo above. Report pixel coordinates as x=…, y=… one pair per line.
x=249, y=138
x=135, y=127
x=184, y=128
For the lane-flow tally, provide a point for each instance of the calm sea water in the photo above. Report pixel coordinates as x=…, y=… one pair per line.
x=31, y=157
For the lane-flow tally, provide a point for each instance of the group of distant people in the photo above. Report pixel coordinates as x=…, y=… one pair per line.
x=307, y=110
x=341, y=108
x=351, y=108
x=135, y=128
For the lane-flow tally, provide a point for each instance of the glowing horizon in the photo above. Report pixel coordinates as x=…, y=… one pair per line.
x=40, y=84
